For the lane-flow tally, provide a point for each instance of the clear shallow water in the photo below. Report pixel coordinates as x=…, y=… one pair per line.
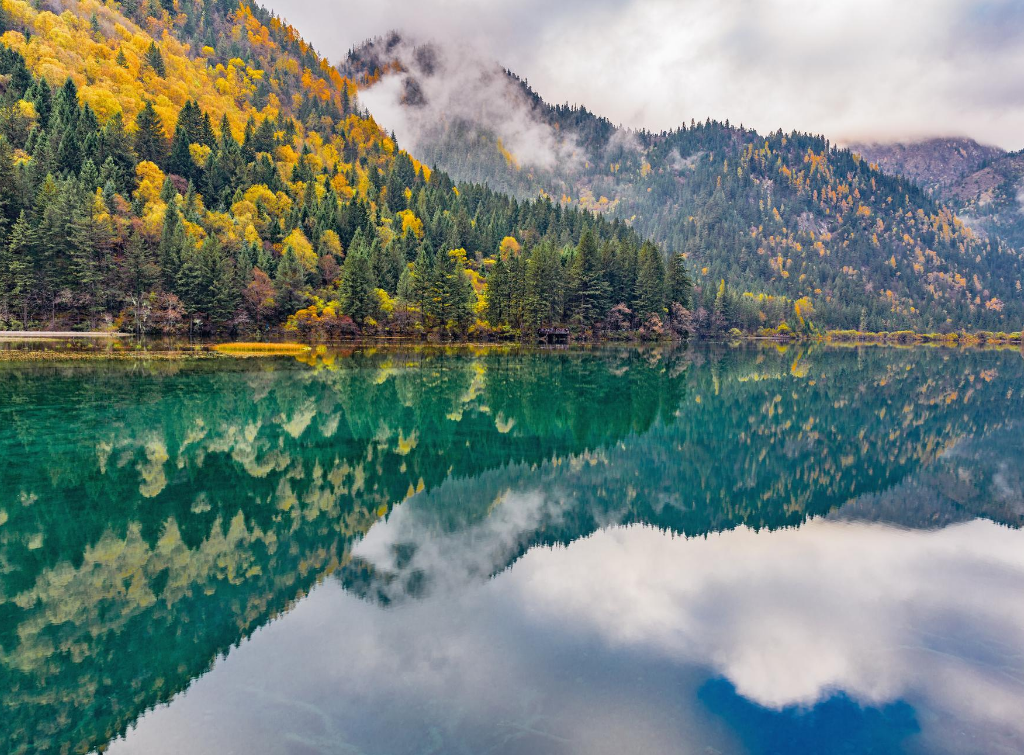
x=732, y=551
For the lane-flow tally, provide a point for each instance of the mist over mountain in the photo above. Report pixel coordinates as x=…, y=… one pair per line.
x=787, y=216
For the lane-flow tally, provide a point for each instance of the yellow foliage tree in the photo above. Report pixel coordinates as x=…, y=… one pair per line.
x=299, y=244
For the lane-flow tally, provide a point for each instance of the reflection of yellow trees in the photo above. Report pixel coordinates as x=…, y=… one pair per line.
x=257, y=478
x=152, y=470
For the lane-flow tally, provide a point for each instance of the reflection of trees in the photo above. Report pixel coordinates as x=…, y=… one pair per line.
x=151, y=520
x=761, y=441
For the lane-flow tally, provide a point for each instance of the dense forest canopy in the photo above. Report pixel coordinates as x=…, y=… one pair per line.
x=195, y=166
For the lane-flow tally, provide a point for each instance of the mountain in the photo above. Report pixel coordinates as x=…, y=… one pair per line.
x=780, y=217
x=983, y=185
x=195, y=166
x=936, y=165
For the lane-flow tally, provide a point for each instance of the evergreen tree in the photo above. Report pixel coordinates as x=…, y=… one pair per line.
x=545, y=288
x=650, y=283
x=17, y=268
x=139, y=273
x=155, y=60
x=9, y=204
x=678, y=284
x=357, y=296
x=150, y=142
x=499, y=294
x=449, y=305
x=173, y=240
x=588, y=292
x=722, y=310
x=422, y=276
x=290, y=282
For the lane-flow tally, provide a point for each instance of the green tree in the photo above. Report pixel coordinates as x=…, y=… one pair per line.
x=451, y=294
x=150, y=142
x=356, y=291
x=678, y=284
x=290, y=282
x=155, y=60
x=544, y=287
x=650, y=283
x=499, y=294
x=17, y=268
x=588, y=291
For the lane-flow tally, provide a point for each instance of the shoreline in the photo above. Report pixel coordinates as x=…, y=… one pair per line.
x=244, y=351
x=34, y=335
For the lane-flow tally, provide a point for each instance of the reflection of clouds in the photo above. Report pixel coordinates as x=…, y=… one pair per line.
x=410, y=545
x=601, y=647
x=789, y=617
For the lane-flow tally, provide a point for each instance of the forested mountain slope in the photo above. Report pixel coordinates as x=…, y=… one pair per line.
x=984, y=185
x=195, y=166
x=787, y=216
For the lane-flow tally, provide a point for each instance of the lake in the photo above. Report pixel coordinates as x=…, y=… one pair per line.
x=755, y=549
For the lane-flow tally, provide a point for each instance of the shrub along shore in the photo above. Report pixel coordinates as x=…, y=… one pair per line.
x=37, y=347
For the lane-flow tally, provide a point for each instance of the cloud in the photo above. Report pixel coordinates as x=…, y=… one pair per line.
x=853, y=70
x=409, y=545
x=441, y=84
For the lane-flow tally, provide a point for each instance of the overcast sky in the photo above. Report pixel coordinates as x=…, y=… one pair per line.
x=850, y=69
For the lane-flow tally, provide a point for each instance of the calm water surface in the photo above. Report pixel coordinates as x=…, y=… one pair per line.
x=752, y=550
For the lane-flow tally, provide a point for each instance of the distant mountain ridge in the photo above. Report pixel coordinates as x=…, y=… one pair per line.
x=983, y=185
x=936, y=165
x=787, y=217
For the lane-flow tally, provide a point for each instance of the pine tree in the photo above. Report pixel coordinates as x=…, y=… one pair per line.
x=179, y=160
x=222, y=290
x=172, y=242
x=498, y=294
x=41, y=97
x=9, y=204
x=588, y=292
x=722, y=311
x=450, y=302
x=356, y=291
x=150, y=142
x=422, y=276
x=17, y=268
x=650, y=283
x=139, y=273
x=290, y=281
x=678, y=284
x=544, y=288
x=155, y=60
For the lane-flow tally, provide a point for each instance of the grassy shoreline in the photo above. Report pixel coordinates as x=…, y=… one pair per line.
x=73, y=351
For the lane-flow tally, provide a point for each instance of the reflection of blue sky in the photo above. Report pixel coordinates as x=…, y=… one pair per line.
x=634, y=640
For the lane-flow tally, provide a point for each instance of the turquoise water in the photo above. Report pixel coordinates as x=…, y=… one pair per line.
x=715, y=550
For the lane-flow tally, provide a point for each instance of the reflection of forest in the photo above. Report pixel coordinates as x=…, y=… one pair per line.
x=151, y=520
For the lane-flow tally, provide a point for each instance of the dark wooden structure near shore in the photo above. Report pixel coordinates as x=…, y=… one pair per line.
x=553, y=335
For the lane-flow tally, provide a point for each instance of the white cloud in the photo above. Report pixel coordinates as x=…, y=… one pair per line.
x=455, y=85
x=851, y=69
